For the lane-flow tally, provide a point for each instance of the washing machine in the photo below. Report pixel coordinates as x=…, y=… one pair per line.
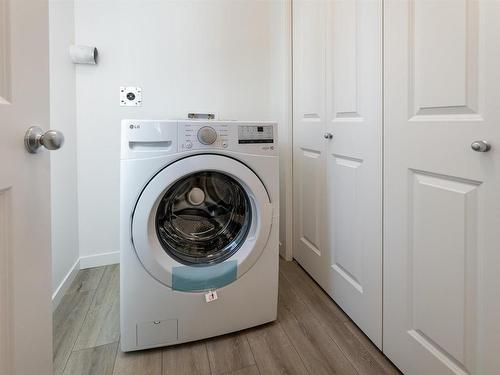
x=199, y=229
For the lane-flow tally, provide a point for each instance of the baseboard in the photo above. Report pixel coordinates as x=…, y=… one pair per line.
x=89, y=261
x=284, y=253
x=65, y=284
x=99, y=260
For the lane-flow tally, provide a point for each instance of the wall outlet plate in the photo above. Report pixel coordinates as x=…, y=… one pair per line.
x=130, y=96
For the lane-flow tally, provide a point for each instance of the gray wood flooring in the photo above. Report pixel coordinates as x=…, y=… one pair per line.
x=311, y=336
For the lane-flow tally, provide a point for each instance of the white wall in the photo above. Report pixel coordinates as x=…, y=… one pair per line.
x=63, y=162
x=223, y=56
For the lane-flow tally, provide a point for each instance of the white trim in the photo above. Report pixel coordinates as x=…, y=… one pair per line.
x=65, y=284
x=286, y=136
x=98, y=260
x=112, y=257
x=289, y=141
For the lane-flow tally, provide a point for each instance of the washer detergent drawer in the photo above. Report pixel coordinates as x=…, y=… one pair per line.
x=156, y=332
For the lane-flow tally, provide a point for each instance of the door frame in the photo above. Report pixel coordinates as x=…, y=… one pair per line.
x=286, y=139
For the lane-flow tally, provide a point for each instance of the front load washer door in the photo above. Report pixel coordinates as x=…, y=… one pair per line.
x=201, y=222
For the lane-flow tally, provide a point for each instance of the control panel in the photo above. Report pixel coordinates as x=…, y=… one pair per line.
x=141, y=137
x=231, y=135
x=194, y=136
x=249, y=134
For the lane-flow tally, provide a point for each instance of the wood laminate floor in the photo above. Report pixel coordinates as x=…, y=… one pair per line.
x=311, y=336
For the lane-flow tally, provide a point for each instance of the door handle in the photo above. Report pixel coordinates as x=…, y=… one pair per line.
x=35, y=137
x=328, y=135
x=481, y=146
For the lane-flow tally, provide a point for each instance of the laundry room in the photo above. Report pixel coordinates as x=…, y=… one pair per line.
x=186, y=57
x=226, y=59
x=249, y=187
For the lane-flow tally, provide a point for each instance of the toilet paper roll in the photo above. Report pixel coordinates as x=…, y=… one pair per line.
x=83, y=54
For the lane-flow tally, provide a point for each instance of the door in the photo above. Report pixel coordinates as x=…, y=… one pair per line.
x=205, y=230
x=25, y=259
x=338, y=153
x=309, y=53
x=442, y=206
x=354, y=160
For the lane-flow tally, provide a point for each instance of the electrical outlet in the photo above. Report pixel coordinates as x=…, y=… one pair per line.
x=130, y=96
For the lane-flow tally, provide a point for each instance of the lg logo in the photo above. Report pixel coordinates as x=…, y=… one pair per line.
x=132, y=126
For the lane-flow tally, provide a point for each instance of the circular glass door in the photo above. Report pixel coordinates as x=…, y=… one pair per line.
x=203, y=218
x=201, y=212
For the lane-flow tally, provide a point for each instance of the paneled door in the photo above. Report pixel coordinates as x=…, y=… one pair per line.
x=25, y=259
x=354, y=160
x=309, y=117
x=337, y=165
x=442, y=186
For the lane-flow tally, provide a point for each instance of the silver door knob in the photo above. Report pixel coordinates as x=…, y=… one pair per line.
x=328, y=135
x=480, y=146
x=35, y=137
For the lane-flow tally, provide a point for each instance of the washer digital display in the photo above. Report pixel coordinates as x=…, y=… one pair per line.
x=255, y=134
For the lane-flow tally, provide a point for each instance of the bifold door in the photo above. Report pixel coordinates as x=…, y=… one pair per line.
x=309, y=146
x=338, y=153
x=441, y=175
x=442, y=186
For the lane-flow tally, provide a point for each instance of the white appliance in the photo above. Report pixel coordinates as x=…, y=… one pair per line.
x=199, y=229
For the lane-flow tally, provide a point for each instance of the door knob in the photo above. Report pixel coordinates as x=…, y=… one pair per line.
x=328, y=135
x=36, y=137
x=480, y=146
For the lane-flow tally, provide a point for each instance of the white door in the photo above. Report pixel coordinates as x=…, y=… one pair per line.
x=309, y=117
x=338, y=181
x=442, y=198
x=25, y=259
x=354, y=160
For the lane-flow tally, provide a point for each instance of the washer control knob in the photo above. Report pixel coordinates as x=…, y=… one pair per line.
x=189, y=144
x=207, y=135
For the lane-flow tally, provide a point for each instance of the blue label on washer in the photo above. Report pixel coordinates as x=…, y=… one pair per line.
x=190, y=279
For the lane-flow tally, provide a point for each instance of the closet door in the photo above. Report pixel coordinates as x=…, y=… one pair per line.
x=338, y=153
x=442, y=196
x=309, y=172
x=354, y=160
